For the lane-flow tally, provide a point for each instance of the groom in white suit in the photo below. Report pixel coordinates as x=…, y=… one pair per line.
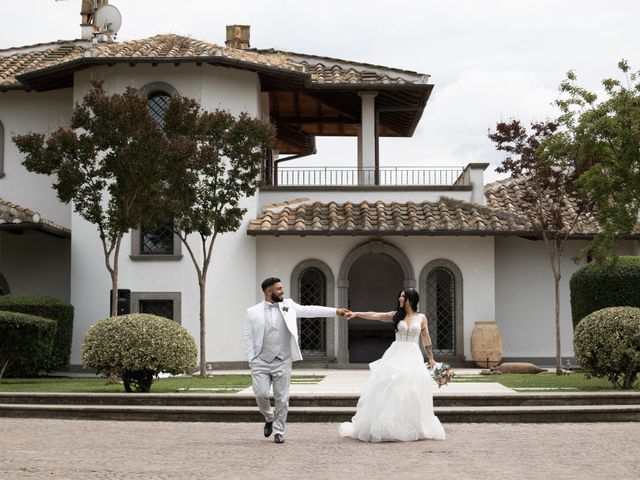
x=271, y=345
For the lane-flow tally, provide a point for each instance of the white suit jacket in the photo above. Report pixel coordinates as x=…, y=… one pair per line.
x=255, y=322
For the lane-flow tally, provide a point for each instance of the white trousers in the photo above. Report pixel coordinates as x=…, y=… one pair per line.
x=278, y=374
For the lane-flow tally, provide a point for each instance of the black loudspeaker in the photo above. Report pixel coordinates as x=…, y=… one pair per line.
x=124, y=301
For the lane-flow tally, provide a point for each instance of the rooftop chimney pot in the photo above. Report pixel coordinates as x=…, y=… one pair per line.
x=238, y=36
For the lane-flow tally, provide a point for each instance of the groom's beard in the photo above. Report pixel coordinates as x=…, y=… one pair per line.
x=276, y=298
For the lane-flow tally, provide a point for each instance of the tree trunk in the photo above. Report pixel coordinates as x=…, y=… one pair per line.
x=114, y=293
x=629, y=380
x=3, y=365
x=114, y=290
x=558, y=344
x=113, y=271
x=203, y=352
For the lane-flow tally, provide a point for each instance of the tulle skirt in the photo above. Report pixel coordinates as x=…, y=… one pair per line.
x=396, y=403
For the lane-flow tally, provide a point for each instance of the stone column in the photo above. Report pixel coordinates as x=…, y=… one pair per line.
x=367, y=138
x=343, y=327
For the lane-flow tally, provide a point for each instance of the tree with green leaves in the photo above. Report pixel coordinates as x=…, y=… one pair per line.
x=605, y=136
x=211, y=163
x=543, y=162
x=104, y=163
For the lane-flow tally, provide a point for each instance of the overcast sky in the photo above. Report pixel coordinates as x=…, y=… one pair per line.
x=489, y=60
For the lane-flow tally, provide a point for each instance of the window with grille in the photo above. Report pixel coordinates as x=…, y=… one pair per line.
x=156, y=241
x=312, y=286
x=158, y=103
x=161, y=308
x=441, y=310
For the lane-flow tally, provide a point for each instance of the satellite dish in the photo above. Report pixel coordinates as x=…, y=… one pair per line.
x=108, y=19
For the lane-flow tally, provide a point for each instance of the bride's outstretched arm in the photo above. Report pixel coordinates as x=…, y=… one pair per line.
x=426, y=339
x=379, y=316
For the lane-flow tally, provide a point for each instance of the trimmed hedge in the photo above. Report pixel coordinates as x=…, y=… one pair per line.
x=607, y=343
x=137, y=347
x=613, y=283
x=25, y=342
x=54, y=309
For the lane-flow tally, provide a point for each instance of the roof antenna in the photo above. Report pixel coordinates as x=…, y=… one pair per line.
x=100, y=21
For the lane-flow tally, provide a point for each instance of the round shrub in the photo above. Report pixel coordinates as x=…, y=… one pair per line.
x=612, y=283
x=54, y=309
x=607, y=343
x=25, y=340
x=137, y=347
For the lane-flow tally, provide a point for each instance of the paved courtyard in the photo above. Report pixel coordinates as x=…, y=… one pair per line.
x=59, y=449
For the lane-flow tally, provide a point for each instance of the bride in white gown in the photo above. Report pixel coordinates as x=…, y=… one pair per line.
x=396, y=403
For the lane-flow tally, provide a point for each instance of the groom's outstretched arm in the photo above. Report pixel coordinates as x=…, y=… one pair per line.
x=311, y=311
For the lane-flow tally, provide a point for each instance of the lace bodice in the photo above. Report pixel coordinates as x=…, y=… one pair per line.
x=408, y=333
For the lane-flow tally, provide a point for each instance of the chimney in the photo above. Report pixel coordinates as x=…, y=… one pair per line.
x=238, y=36
x=87, y=12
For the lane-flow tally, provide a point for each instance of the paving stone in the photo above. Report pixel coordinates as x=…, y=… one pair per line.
x=75, y=449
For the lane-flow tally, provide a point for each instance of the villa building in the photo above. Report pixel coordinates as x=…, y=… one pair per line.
x=340, y=236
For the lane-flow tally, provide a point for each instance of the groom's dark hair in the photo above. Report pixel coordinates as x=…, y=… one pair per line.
x=269, y=282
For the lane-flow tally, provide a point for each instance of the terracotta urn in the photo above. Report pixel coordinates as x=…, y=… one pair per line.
x=486, y=344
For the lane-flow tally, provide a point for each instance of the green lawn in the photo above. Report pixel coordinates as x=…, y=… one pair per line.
x=575, y=381
x=216, y=384
x=234, y=383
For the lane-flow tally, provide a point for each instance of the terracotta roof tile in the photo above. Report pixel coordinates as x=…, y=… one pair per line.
x=168, y=47
x=14, y=62
x=506, y=195
x=427, y=218
x=13, y=216
x=332, y=71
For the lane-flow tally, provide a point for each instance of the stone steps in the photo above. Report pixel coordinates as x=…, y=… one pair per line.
x=474, y=408
x=476, y=414
x=315, y=400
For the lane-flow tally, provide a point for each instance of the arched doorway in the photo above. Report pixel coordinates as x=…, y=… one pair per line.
x=374, y=281
x=370, y=278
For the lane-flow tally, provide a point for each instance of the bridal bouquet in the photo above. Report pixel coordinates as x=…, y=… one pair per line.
x=442, y=374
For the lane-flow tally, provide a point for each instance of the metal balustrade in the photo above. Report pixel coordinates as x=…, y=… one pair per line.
x=383, y=176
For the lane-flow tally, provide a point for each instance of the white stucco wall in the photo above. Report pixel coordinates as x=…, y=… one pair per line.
x=232, y=270
x=22, y=112
x=213, y=87
x=278, y=256
x=525, y=299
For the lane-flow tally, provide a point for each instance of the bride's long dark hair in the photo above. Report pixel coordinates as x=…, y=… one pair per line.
x=411, y=296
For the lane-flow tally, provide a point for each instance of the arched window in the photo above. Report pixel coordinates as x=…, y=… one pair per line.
x=441, y=285
x=312, y=288
x=158, y=103
x=158, y=94
x=1, y=150
x=156, y=243
x=441, y=310
x=312, y=284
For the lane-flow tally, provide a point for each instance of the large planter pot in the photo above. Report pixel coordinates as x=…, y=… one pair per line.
x=486, y=344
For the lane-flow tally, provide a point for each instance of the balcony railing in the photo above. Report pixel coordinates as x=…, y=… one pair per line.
x=351, y=177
